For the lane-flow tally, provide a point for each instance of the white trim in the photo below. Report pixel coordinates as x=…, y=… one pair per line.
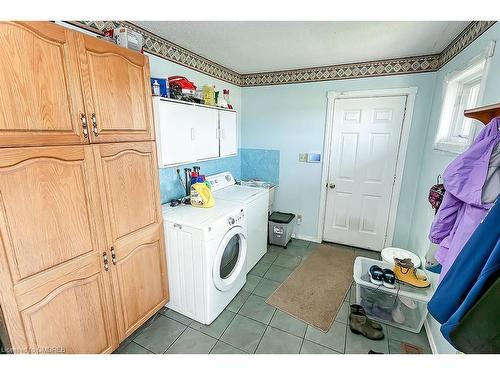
x=306, y=238
x=410, y=93
x=430, y=336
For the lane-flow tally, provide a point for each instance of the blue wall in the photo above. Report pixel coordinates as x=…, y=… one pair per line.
x=248, y=164
x=259, y=164
x=292, y=118
x=171, y=188
x=434, y=162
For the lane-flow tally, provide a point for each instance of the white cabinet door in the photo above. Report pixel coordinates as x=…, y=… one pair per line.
x=206, y=140
x=228, y=124
x=175, y=132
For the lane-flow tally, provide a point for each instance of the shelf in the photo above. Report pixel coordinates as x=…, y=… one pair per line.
x=162, y=98
x=484, y=114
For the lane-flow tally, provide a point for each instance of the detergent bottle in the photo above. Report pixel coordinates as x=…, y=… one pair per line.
x=201, y=195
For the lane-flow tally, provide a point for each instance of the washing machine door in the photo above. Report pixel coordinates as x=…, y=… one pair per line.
x=230, y=258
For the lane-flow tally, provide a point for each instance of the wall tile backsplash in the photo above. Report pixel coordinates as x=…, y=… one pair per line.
x=248, y=164
x=260, y=164
x=171, y=188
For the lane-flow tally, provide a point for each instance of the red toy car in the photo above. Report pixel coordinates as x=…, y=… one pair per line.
x=180, y=87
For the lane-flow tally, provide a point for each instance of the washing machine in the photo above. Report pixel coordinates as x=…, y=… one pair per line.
x=256, y=203
x=206, y=257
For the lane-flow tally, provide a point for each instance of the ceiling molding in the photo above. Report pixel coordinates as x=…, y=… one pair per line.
x=418, y=64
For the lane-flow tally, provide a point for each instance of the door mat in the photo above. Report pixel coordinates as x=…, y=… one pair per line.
x=411, y=349
x=314, y=292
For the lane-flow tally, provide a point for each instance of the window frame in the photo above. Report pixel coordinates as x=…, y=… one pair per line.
x=449, y=136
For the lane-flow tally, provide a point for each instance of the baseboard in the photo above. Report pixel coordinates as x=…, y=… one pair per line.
x=430, y=337
x=306, y=238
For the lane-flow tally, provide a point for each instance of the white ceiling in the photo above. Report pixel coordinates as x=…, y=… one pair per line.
x=261, y=46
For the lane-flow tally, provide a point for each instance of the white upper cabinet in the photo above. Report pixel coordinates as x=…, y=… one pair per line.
x=174, y=132
x=186, y=132
x=228, y=124
x=206, y=132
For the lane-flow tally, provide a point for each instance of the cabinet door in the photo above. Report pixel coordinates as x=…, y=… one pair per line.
x=117, y=91
x=228, y=123
x=206, y=133
x=176, y=132
x=40, y=93
x=50, y=237
x=128, y=176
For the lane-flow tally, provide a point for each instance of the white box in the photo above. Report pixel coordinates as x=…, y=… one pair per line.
x=382, y=303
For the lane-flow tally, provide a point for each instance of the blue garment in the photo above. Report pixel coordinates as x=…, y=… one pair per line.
x=474, y=270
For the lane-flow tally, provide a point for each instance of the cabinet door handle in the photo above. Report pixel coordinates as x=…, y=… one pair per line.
x=85, y=128
x=113, y=255
x=105, y=260
x=192, y=134
x=94, y=125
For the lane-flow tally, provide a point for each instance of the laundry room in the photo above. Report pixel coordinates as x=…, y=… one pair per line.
x=258, y=186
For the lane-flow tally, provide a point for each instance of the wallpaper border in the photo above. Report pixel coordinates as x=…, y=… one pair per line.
x=406, y=65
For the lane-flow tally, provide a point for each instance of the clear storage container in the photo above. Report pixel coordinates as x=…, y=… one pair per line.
x=404, y=306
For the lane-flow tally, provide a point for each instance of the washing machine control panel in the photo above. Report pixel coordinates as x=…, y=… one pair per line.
x=232, y=220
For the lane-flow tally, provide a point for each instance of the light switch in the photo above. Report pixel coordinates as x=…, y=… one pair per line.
x=303, y=157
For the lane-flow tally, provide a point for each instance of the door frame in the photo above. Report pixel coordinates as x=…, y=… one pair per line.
x=410, y=93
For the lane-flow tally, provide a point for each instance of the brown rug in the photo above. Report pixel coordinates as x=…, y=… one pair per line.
x=314, y=292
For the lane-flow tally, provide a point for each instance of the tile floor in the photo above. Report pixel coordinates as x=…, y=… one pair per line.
x=250, y=325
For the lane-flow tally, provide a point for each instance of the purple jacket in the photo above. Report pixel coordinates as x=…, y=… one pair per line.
x=462, y=209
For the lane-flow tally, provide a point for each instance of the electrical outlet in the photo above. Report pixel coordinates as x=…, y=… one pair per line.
x=299, y=219
x=303, y=157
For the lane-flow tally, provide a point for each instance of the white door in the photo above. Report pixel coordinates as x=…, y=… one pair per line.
x=228, y=124
x=363, y=156
x=206, y=130
x=175, y=132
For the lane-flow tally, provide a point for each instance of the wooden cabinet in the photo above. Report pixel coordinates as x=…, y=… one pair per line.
x=187, y=132
x=61, y=87
x=116, y=90
x=228, y=124
x=41, y=100
x=53, y=247
x=130, y=198
x=82, y=262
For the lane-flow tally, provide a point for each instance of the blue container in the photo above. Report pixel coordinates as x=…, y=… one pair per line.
x=163, y=86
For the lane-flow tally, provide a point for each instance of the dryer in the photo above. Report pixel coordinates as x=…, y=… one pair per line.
x=206, y=252
x=256, y=203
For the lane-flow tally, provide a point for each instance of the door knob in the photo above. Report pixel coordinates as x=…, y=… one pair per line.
x=331, y=186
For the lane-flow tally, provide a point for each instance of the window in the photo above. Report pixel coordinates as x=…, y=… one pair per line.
x=463, y=90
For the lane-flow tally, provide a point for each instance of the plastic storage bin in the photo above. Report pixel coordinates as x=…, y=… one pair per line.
x=280, y=228
x=404, y=307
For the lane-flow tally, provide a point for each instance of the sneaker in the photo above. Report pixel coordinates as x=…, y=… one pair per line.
x=376, y=275
x=389, y=279
x=408, y=302
x=406, y=273
x=397, y=314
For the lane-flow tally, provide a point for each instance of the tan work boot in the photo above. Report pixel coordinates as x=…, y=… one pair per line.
x=361, y=325
x=406, y=273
